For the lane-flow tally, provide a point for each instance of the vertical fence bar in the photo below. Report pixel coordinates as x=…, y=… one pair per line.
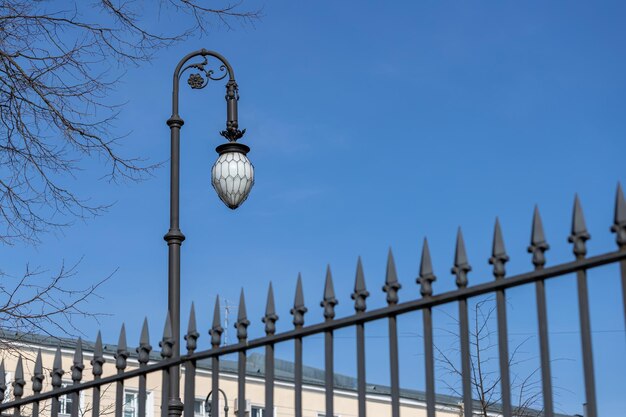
x=359, y=296
x=298, y=376
x=426, y=278
x=329, y=372
x=622, y=267
x=120, y=364
x=498, y=259
x=143, y=353
x=242, y=336
x=18, y=385
x=190, y=365
x=538, y=246
x=394, y=367
x=298, y=311
x=360, y=368
x=241, y=384
x=165, y=378
x=167, y=351
x=269, y=380
x=503, y=353
x=77, y=375
x=328, y=303
x=578, y=238
x=585, y=334
x=461, y=269
x=216, y=340
x=269, y=319
x=96, y=363
x=466, y=376
x=391, y=287
x=619, y=228
x=56, y=375
x=215, y=386
x=37, y=379
x=429, y=362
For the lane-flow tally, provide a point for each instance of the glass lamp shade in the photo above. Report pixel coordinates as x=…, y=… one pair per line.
x=232, y=177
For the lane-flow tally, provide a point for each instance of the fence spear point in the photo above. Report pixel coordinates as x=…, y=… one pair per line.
x=38, y=376
x=538, y=244
x=242, y=319
x=499, y=256
x=299, y=298
x=360, y=292
x=619, y=223
x=57, y=364
x=19, y=369
x=167, y=329
x=78, y=366
x=144, y=348
x=620, y=206
x=537, y=237
x=242, y=314
x=144, y=339
x=192, y=333
x=359, y=280
x=121, y=343
x=426, y=272
x=216, y=329
x=122, y=350
x=57, y=369
x=579, y=230
x=391, y=275
x=298, y=311
x=270, y=307
x=98, y=358
x=167, y=342
x=78, y=353
x=270, y=312
x=329, y=302
x=191, y=325
x=18, y=381
x=217, y=318
x=329, y=288
x=578, y=219
x=498, y=241
x=392, y=286
x=38, y=364
x=461, y=264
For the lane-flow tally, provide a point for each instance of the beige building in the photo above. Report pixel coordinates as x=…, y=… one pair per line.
x=378, y=402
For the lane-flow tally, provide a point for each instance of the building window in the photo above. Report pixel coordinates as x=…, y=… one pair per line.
x=257, y=411
x=65, y=402
x=130, y=404
x=198, y=408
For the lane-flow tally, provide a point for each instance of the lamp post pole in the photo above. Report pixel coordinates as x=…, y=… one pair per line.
x=231, y=195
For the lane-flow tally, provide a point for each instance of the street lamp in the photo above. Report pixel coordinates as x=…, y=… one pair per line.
x=232, y=176
x=207, y=404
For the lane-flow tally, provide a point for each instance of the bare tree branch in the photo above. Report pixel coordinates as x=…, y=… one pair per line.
x=58, y=65
x=37, y=303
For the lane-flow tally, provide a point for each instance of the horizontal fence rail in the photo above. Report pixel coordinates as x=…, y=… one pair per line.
x=18, y=404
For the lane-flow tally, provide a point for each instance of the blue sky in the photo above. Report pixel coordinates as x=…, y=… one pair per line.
x=372, y=126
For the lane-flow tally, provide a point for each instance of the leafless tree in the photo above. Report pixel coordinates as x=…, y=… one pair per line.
x=43, y=303
x=58, y=62
x=485, y=374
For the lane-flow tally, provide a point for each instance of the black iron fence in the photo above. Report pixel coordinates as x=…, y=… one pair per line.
x=579, y=235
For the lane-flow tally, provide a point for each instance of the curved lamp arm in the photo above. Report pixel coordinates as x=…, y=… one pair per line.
x=200, y=79
x=207, y=404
